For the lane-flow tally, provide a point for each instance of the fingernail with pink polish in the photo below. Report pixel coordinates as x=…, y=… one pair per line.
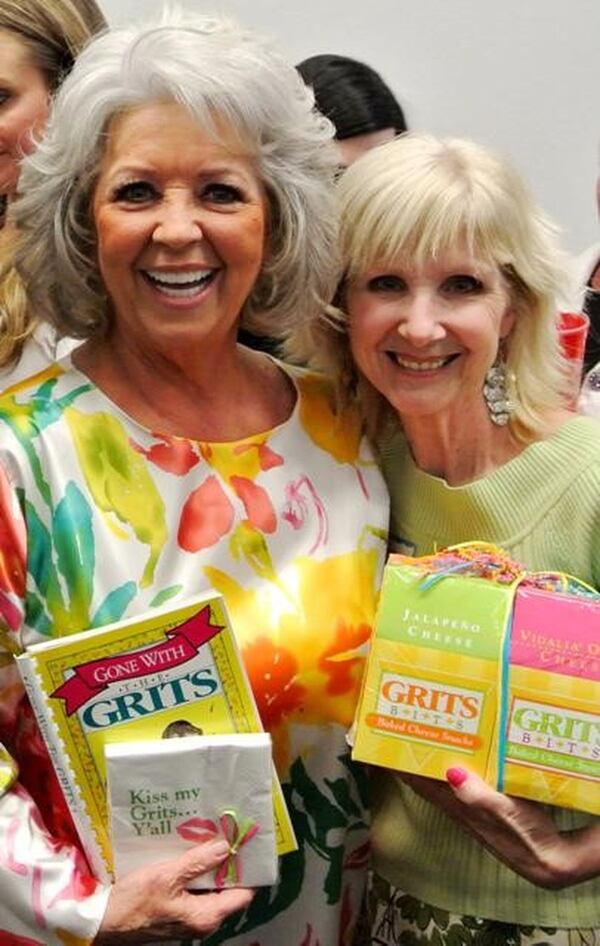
x=456, y=777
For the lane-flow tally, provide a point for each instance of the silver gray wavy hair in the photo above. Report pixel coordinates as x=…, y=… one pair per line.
x=214, y=68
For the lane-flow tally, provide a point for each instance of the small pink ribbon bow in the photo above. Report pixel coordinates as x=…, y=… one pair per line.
x=236, y=831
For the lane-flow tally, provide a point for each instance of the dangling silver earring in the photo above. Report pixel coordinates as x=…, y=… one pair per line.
x=495, y=393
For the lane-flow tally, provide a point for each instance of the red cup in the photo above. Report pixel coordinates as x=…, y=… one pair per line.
x=573, y=328
x=572, y=332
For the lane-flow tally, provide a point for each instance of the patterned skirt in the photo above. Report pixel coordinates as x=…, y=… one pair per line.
x=396, y=919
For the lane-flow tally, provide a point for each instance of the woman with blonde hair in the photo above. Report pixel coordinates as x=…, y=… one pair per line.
x=445, y=334
x=39, y=40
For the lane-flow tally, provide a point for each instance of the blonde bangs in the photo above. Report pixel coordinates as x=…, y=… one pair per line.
x=419, y=213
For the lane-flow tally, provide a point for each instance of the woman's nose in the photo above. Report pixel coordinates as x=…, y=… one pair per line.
x=420, y=324
x=178, y=224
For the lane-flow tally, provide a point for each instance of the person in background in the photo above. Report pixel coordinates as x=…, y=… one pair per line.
x=355, y=98
x=588, y=267
x=364, y=112
x=39, y=40
x=444, y=331
x=184, y=186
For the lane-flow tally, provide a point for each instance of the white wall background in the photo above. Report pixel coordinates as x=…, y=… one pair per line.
x=520, y=75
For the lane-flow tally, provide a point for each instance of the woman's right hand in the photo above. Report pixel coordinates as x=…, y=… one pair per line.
x=518, y=832
x=153, y=904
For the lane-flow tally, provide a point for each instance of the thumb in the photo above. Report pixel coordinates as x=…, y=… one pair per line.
x=469, y=787
x=200, y=859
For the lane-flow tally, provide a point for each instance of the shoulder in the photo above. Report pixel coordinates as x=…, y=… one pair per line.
x=577, y=439
x=393, y=451
x=24, y=388
x=332, y=426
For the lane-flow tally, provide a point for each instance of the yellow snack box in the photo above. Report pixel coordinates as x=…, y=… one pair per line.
x=474, y=662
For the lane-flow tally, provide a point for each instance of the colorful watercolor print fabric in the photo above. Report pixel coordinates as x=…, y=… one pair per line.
x=101, y=519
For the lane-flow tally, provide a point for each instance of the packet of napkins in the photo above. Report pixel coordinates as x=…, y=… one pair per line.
x=169, y=794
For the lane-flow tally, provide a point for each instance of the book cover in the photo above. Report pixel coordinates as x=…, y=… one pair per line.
x=169, y=672
x=164, y=797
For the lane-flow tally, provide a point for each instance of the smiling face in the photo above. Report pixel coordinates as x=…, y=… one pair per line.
x=180, y=222
x=425, y=335
x=24, y=103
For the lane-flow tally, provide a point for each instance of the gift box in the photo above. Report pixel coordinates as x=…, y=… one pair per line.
x=476, y=662
x=551, y=747
x=167, y=795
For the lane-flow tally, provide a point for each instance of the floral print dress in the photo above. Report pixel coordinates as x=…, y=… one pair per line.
x=102, y=519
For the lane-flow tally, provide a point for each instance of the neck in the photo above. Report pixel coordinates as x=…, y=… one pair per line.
x=459, y=447
x=220, y=391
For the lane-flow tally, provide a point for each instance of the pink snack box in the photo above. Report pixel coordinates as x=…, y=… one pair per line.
x=552, y=737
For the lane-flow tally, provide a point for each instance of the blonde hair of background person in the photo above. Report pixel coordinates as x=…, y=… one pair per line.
x=184, y=185
x=48, y=34
x=427, y=195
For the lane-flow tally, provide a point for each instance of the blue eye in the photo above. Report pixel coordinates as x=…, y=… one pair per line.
x=135, y=192
x=462, y=284
x=219, y=193
x=386, y=282
x=4, y=96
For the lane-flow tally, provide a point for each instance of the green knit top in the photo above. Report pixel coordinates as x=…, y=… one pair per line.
x=543, y=507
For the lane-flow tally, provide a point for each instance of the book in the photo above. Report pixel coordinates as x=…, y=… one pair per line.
x=225, y=794
x=168, y=672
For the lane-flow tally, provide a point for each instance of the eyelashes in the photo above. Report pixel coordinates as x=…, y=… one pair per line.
x=460, y=284
x=463, y=284
x=139, y=192
x=386, y=282
x=135, y=192
x=221, y=193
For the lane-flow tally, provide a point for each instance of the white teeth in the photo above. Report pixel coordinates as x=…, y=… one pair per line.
x=183, y=279
x=420, y=365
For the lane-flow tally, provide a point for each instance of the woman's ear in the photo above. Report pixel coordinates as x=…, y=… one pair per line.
x=508, y=321
x=339, y=296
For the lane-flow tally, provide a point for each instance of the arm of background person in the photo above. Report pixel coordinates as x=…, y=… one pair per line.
x=519, y=833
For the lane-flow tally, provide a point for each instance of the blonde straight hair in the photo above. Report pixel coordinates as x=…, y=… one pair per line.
x=54, y=32
x=417, y=197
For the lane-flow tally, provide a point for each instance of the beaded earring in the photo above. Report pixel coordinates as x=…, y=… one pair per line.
x=495, y=393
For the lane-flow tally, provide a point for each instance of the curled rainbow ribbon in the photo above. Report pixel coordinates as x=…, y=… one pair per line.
x=237, y=831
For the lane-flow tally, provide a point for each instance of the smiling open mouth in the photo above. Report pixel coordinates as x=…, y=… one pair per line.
x=179, y=285
x=429, y=364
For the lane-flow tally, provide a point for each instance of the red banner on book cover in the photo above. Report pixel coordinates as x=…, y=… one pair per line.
x=181, y=644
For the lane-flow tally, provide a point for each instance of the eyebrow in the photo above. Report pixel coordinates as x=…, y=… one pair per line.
x=138, y=170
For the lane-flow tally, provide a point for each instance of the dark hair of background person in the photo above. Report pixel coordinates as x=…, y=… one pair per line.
x=352, y=95
x=356, y=100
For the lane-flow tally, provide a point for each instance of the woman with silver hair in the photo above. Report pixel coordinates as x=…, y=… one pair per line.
x=445, y=333
x=184, y=187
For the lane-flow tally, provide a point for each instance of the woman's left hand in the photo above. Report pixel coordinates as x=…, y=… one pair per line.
x=518, y=832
